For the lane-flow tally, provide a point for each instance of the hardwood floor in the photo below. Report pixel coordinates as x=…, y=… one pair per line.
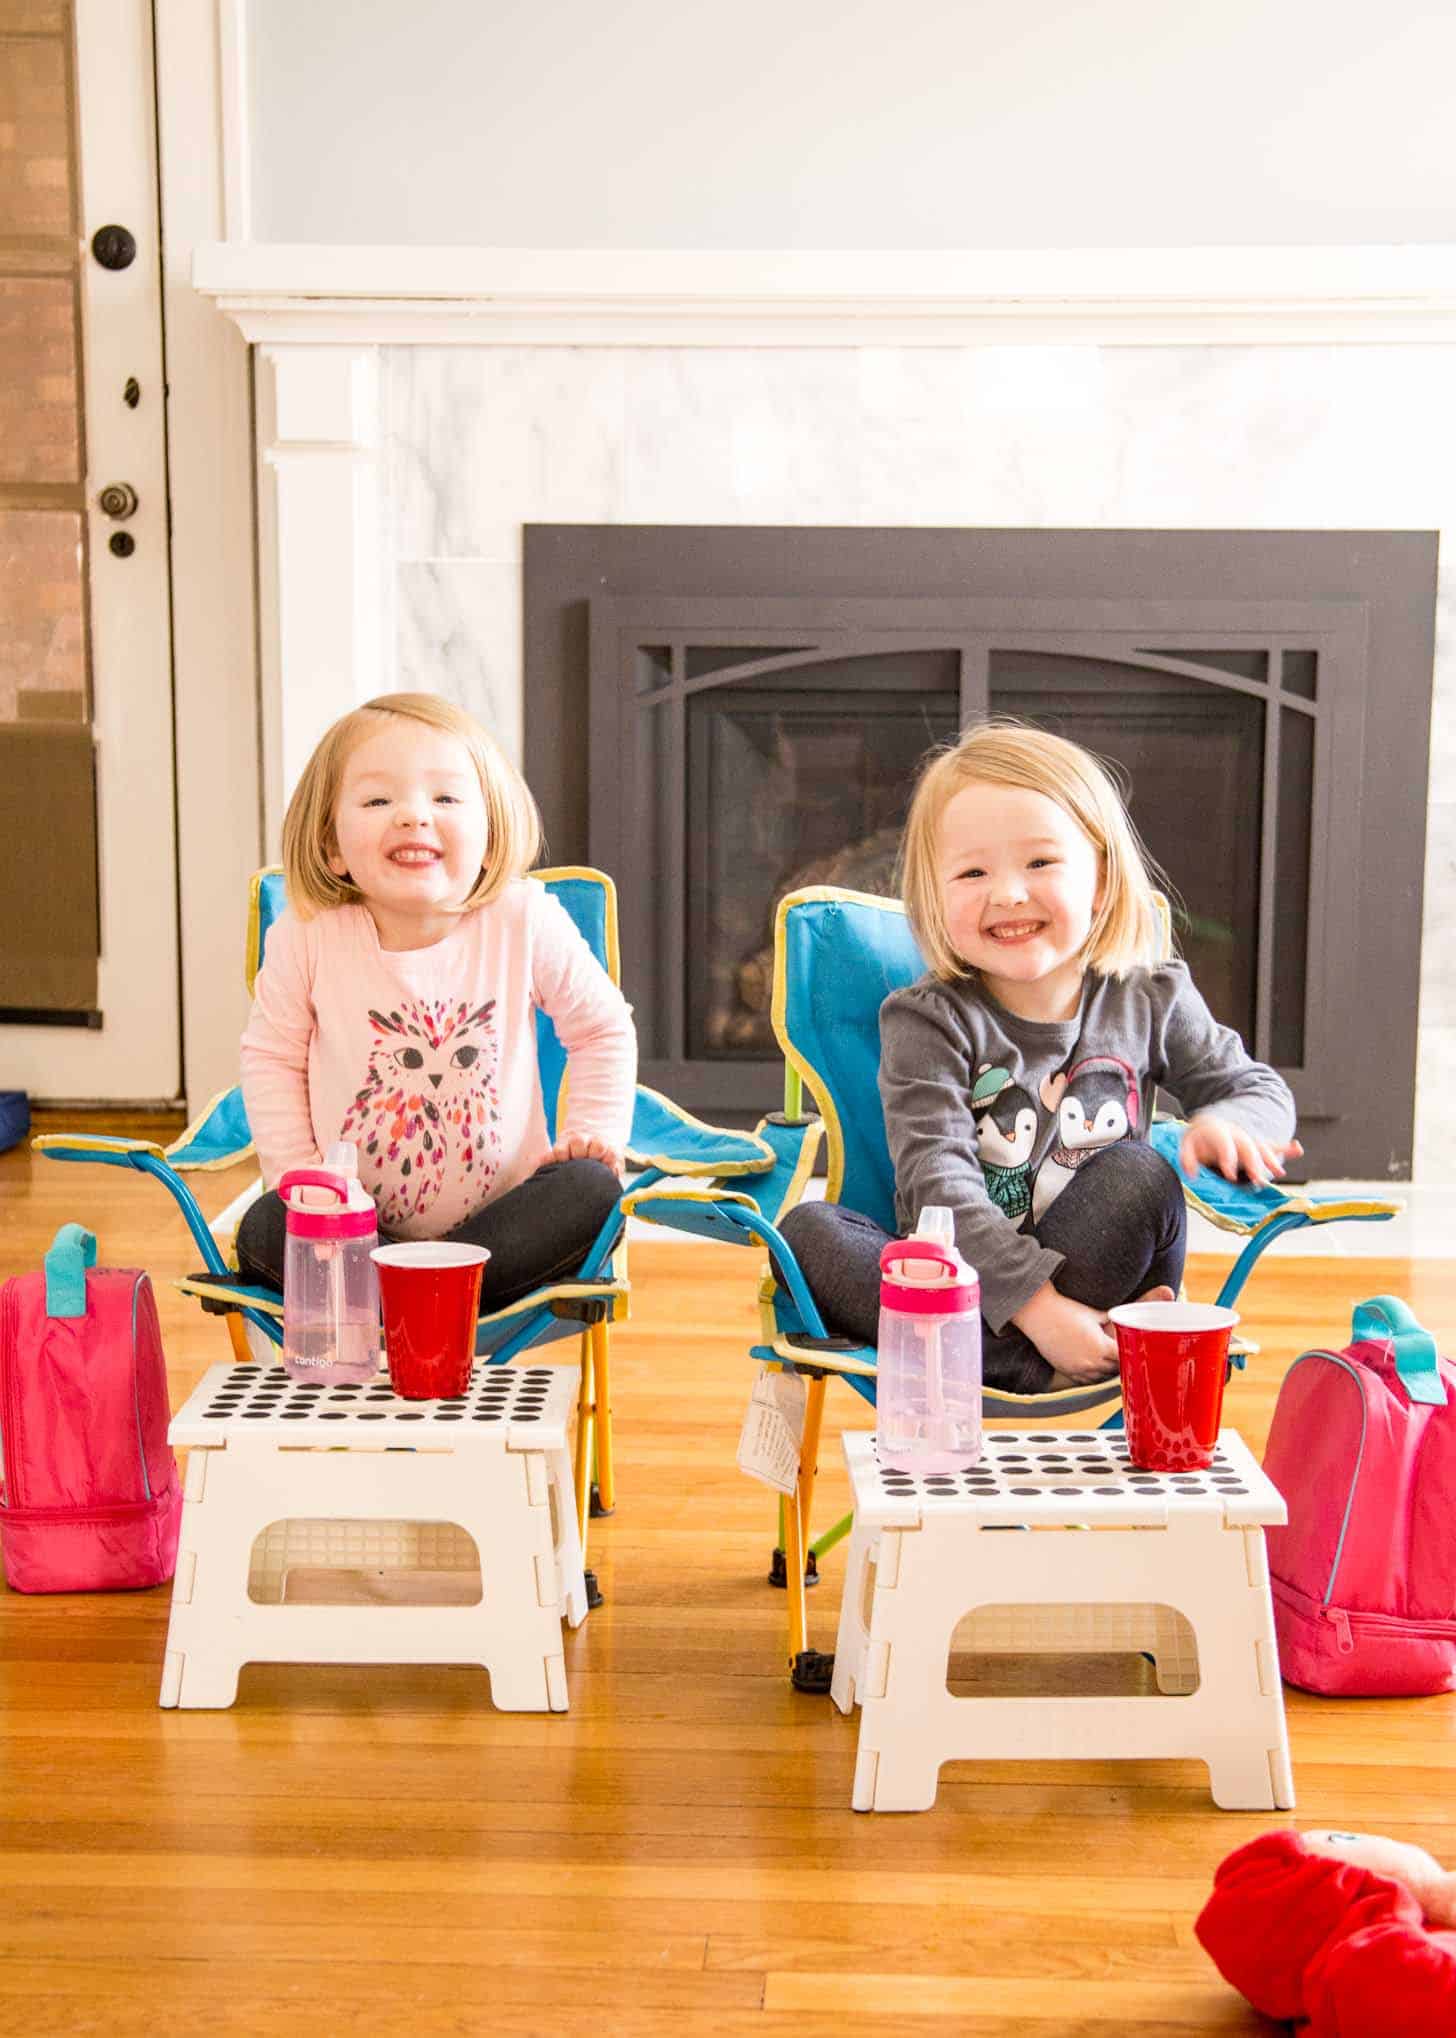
x=379, y=1849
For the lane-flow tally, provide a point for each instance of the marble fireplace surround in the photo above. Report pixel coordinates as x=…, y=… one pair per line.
x=416, y=408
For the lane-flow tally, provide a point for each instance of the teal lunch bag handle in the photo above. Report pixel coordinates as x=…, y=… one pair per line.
x=1385, y=1319
x=72, y=1251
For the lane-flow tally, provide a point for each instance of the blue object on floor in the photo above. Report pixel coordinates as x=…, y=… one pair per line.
x=14, y=1118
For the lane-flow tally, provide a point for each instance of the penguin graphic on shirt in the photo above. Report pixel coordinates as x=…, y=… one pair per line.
x=1096, y=1103
x=1005, y=1118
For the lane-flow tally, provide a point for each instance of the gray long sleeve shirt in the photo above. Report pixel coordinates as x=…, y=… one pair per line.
x=992, y=1114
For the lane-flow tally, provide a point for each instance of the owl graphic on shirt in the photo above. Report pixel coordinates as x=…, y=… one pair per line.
x=428, y=1111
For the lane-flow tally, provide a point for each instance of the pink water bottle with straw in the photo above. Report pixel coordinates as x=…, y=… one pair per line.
x=928, y=1390
x=330, y=1290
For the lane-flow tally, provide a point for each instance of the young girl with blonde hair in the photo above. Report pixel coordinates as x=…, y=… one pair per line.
x=1018, y=1074
x=395, y=1006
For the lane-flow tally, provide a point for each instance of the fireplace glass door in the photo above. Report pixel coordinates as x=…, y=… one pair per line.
x=804, y=781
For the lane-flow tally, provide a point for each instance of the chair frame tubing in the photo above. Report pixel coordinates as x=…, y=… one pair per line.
x=595, y=1460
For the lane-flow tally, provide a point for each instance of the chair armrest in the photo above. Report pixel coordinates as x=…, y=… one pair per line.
x=247, y=1297
x=147, y=1159
x=728, y=1216
x=1232, y=1206
x=1244, y=1207
x=672, y=1141
x=819, y=1355
x=794, y=1146
x=111, y=1151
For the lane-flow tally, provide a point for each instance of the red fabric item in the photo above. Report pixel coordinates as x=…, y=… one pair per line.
x=1395, y=1979
x=1301, y=1935
x=90, y=1500
x=1364, y=1574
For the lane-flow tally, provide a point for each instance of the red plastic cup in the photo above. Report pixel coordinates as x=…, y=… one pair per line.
x=429, y=1295
x=1174, y=1359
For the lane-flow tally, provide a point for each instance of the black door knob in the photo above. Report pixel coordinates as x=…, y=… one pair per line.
x=114, y=247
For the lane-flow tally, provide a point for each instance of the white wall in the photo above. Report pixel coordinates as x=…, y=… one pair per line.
x=852, y=123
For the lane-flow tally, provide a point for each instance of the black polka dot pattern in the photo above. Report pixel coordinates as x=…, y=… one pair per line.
x=1068, y=1467
x=540, y=1396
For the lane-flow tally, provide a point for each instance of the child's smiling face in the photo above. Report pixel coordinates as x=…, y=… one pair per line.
x=410, y=829
x=1020, y=885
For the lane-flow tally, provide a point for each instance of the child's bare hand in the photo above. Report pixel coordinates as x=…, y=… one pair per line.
x=1215, y=1142
x=1072, y=1338
x=581, y=1146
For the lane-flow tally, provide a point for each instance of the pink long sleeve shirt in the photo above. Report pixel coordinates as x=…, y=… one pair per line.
x=426, y=1057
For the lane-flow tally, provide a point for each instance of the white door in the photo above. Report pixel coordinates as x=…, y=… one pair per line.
x=88, y=941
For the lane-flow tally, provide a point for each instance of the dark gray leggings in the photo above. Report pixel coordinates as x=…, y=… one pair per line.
x=536, y=1233
x=1120, y=1223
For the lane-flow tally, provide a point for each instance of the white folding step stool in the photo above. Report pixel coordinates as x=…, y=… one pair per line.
x=1172, y=1564
x=290, y=1486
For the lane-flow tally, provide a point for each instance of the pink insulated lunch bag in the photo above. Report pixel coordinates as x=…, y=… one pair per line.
x=1363, y=1448
x=89, y=1500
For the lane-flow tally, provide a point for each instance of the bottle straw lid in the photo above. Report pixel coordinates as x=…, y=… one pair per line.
x=927, y=1279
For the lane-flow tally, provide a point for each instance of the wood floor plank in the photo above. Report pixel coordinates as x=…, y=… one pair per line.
x=330, y=1934
x=379, y=1848
x=435, y=1876
x=361, y=1990
x=1125, y=2005
x=295, y=2014
x=961, y=1948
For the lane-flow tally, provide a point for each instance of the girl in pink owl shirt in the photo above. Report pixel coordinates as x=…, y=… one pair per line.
x=395, y=1006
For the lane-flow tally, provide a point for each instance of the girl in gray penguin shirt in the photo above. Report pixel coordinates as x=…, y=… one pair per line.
x=1018, y=1074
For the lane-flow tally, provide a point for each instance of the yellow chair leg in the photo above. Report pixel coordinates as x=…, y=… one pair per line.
x=238, y=1332
x=585, y=1402
x=601, y=1346
x=809, y=1454
x=797, y=1520
x=794, y=1558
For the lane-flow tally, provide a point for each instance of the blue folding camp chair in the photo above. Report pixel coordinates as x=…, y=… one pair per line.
x=665, y=1140
x=837, y=957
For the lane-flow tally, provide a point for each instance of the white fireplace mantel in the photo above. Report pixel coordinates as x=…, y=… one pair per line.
x=283, y=294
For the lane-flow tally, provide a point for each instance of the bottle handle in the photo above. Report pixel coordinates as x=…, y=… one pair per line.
x=915, y=1249
x=313, y=1178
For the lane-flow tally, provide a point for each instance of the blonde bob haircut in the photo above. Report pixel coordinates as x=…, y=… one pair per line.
x=1126, y=928
x=513, y=826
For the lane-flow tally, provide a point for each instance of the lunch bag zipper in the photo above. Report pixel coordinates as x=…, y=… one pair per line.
x=1383, y=1623
x=1346, y=1622
x=136, y=1391
x=1337, y=1359
x=7, y=1390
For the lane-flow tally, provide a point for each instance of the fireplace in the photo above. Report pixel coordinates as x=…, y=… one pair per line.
x=757, y=703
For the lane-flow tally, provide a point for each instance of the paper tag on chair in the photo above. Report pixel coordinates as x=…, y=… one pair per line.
x=773, y=1430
